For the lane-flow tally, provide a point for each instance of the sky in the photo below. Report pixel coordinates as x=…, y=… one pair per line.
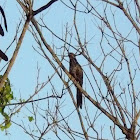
x=24, y=72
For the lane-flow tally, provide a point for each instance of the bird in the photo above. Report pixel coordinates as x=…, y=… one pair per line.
x=76, y=71
x=2, y=54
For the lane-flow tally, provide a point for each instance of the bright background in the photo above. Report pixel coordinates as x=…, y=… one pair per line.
x=24, y=72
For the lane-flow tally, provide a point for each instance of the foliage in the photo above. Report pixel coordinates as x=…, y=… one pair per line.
x=30, y=118
x=6, y=95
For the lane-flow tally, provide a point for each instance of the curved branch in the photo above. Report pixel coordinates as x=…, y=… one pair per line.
x=43, y=7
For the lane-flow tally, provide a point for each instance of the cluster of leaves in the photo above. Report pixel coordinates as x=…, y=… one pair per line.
x=6, y=95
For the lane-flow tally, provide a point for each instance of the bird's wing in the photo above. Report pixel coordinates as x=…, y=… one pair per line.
x=79, y=75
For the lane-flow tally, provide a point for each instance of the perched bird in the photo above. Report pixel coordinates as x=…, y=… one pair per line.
x=3, y=55
x=77, y=72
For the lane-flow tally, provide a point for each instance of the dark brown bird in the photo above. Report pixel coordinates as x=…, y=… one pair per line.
x=77, y=72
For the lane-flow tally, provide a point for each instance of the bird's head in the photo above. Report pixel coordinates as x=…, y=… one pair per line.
x=71, y=55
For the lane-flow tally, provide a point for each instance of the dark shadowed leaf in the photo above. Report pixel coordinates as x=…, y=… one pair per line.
x=3, y=56
x=3, y=14
x=1, y=31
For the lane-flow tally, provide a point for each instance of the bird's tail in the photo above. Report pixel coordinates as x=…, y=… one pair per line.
x=79, y=99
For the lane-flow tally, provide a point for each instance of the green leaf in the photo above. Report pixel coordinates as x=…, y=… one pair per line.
x=6, y=116
x=8, y=125
x=30, y=118
x=8, y=89
x=9, y=97
x=1, y=110
x=2, y=128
